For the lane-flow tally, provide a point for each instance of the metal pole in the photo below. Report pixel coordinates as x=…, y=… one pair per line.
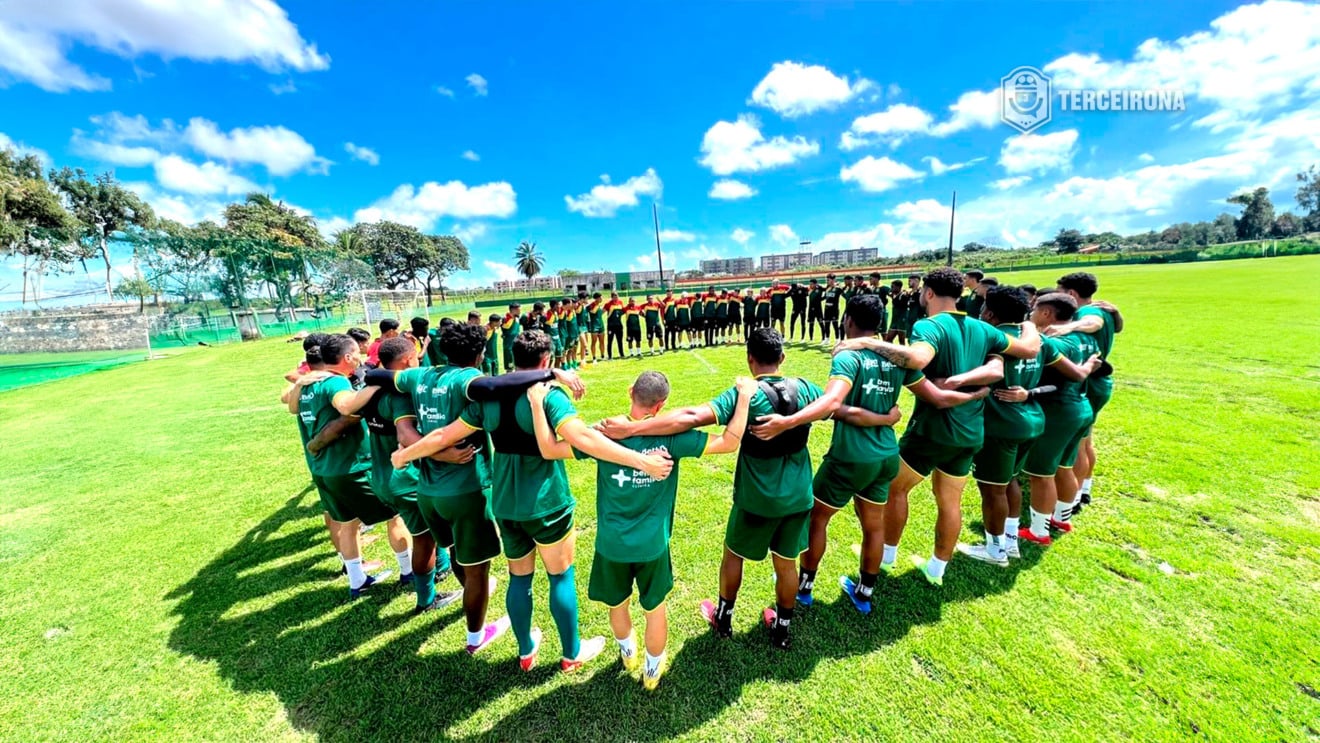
x=659, y=256
x=952, y=211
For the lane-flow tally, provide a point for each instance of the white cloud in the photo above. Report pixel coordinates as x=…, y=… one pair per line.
x=1003, y=184
x=469, y=233
x=727, y=189
x=784, y=235
x=1039, y=153
x=365, y=154
x=446, y=92
x=176, y=174
x=421, y=207
x=282, y=151
x=793, y=89
x=477, y=83
x=35, y=37
x=938, y=167
x=287, y=86
x=1146, y=157
x=6, y=143
x=739, y=147
x=677, y=236
x=891, y=126
x=925, y=211
x=606, y=199
x=328, y=227
x=1252, y=58
x=502, y=271
x=741, y=236
x=877, y=174
x=973, y=109
x=132, y=156
x=471, y=156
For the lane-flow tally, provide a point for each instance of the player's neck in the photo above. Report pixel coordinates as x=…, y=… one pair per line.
x=638, y=413
x=941, y=304
x=765, y=371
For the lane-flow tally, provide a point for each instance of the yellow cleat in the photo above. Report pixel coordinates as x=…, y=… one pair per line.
x=632, y=662
x=650, y=682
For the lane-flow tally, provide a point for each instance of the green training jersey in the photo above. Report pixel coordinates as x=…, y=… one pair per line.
x=1078, y=347
x=763, y=309
x=345, y=455
x=1104, y=340
x=635, y=514
x=769, y=487
x=749, y=308
x=830, y=296
x=510, y=329
x=961, y=344
x=492, y=345
x=633, y=317
x=1018, y=421
x=652, y=314
x=439, y=395
x=382, y=414
x=525, y=487
x=974, y=304
x=434, y=356
x=684, y=312
x=570, y=324
x=721, y=309
x=698, y=307
x=615, y=316
x=874, y=383
x=814, y=298
x=671, y=310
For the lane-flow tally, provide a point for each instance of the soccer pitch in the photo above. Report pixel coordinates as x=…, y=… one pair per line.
x=167, y=574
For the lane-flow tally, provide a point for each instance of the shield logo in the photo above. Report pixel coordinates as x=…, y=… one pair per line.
x=1024, y=99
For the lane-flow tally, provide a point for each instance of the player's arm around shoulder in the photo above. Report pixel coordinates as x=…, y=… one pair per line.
x=550, y=445
x=730, y=438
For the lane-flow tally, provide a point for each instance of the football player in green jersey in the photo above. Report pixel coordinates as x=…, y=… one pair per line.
x=954, y=351
x=1067, y=416
x=771, y=483
x=862, y=395
x=531, y=500
x=635, y=516
x=1101, y=320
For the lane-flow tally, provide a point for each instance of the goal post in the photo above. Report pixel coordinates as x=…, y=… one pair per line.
x=400, y=304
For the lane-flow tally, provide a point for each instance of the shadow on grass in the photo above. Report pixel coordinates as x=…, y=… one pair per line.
x=306, y=649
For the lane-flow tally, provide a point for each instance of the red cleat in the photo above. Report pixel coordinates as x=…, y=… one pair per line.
x=1062, y=526
x=768, y=616
x=1025, y=533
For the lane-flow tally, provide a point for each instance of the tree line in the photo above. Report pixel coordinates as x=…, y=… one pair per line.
x=57, y=221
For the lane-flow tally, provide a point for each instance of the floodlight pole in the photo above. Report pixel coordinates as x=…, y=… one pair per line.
x=659, y=256
x=952, y=211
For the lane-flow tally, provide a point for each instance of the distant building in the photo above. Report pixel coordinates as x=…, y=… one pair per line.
x=539, y=283
x=644, y=279
x=784, y=261
x=735, y=266
x=847, y=257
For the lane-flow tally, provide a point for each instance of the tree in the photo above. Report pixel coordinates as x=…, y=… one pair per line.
x=135, y=287
x=1223, y=229
x=177, y=259
x=276, y=243
x=527, y=259
x=1068, y=241
x=1257, y=214
x=1308, y=197
x=398, y=254
x=33, y=222
x=1171, y=236
x=1286, y=225
x=103, y=208
x=569, y=273
x=448, y=254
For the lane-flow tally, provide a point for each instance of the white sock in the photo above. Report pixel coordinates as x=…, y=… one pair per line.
x=405, y=562
x=1085, y=487
x=1063, y=511
x=355, y=575
x=935, y=566
x=1040, y=523
x=994, y=544
x=1011, y=527
x=890, y=554
x=475, y=637
x=628, y=645
x=653, y=662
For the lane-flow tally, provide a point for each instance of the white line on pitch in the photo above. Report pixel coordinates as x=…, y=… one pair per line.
x=704, y=362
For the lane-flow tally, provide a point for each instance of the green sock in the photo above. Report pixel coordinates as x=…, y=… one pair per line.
x=564, y=609
x=518, y=602
x=441, y=560
x=424, y=584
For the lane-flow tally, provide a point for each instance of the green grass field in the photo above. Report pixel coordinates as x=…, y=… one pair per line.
x=167, y=577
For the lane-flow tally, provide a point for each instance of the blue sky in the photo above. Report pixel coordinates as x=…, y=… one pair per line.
x=753, y=125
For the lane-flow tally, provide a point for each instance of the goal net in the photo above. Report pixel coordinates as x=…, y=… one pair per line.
x=400, y=304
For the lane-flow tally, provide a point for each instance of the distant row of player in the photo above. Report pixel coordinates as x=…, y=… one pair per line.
x=465, y=467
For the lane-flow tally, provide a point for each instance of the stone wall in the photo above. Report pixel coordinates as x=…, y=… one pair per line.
x=113, y=331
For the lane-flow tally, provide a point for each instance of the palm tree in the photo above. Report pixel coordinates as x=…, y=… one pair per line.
x=528, y=259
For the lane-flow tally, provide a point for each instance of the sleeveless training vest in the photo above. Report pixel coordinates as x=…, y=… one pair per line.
x=508, y=437
x=783, y=397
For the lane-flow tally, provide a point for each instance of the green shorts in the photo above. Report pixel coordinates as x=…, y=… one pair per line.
x=401, y=495
x=348, y=497
x=596, y=328
x=1000, y=460
x=925, y=456
x=490, y=367
x=612, y=582
x=1098, y=393
x=837, y=481
x=464, y=523
x=556, y=346
x=750, y=536
x=521, y=538
x=1057, y=446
